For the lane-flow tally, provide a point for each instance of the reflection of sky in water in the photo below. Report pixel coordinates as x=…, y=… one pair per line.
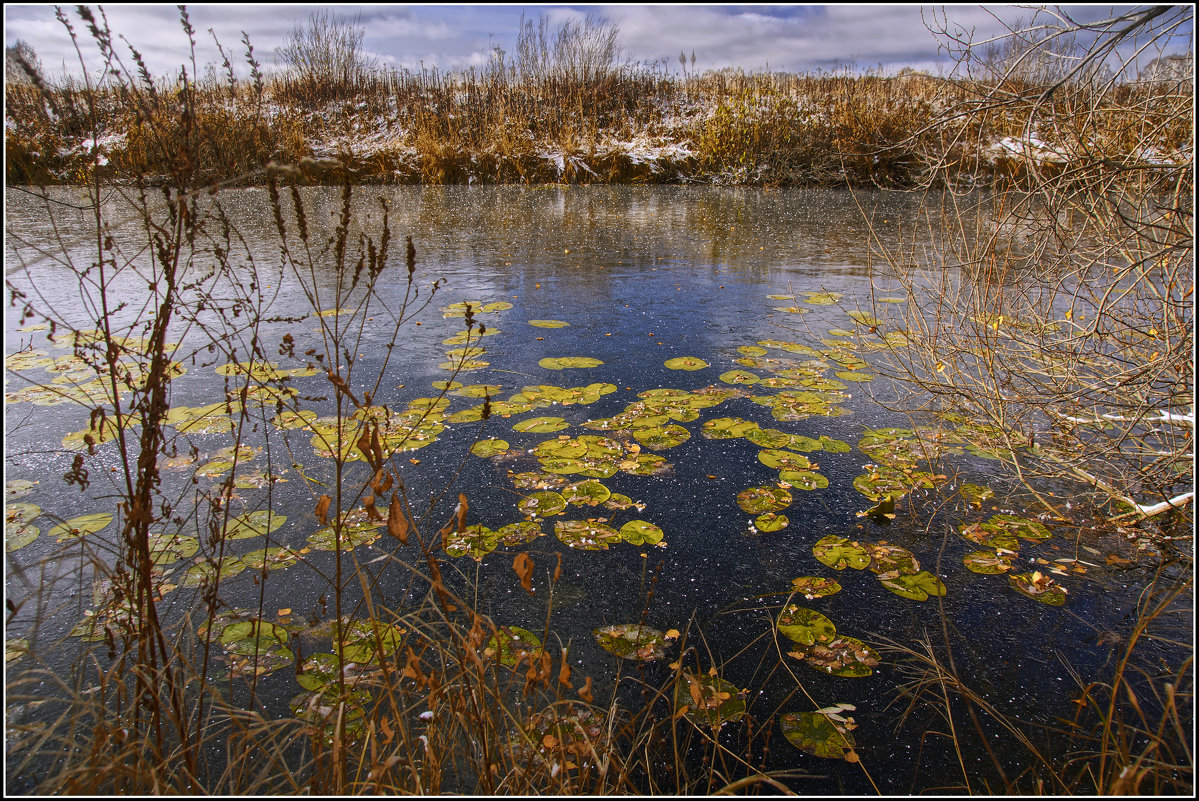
x=642, y=275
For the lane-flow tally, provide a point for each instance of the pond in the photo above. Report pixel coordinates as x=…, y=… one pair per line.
x=696, y=350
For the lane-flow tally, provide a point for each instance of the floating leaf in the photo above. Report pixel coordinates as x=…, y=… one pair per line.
x=661, y=437
x=822, y=298
x=549, y=323
x=590, y=493
x=1021, y=527
x=987, y=562
x=512, y=644
x=640, y=532
x=708, y=700
x=727, y=428
x=768, y=437
x=843, y=656
x=478, y=390
x=686, y=363
x=632, y=641
x=989, y=535
x=253, y=524
x=519, y=533
x=757, y=500
x=1038, y=586
x=770, y=522
x=739, y=377
x=21, y=513
x=815, y=586
x=815, y=734
x=541, y=425
x=563, y=362
x=586, y=535
x=18, y=488
x=474, y=541
x=917, y=586
x=889, y=561
x=366, y=641
x=81, y=526
x=166, y=549
x=783, y=460
x=975, y=494
x=18, y=535
x=805, y=626
x=542, y=504
x=840, y=553
x=352, y=536
x=854, y=375
x=489, y=447
x=803, y=479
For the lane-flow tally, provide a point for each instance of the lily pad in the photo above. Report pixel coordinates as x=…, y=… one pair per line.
x=805, y=626
x=727, y=428
x=803, y=479
x=758, y=500
x=987, y=562
x=18, y=535
x=843, y=656
x=770, y=521
x=708, y=700
x=686, y=363
x=890, y=561
x=81, y=526
x=976, y=494
x=739, y=377
x=661, y=437
x=1039, y=587
x=549, y=323
x=541, y=425
x=916, y=586
x=352, y=536
x=489, y=447
x=474, y=541
x=815, y=734
x=640, y=532
x=589, y=493
x=519, y=533
x=815, y=586
x=542, y=504
x=253, y=524
x=830, y=445
x=1021, y=527
x=586, y=535
x=563, y=362
x=18, y=488
x=839, y=553
x=512, y=644
x=366, y=641
x=633, y=641
x=783, y=460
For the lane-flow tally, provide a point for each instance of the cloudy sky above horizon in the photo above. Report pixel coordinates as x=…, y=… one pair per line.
x=796, y=38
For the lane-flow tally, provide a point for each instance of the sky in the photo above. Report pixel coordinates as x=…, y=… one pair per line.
x=797, y=38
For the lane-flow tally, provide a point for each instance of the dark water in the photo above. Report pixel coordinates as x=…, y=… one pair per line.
x=642, y=275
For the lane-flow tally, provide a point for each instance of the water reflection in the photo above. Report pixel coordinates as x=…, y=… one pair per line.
x=642, y=275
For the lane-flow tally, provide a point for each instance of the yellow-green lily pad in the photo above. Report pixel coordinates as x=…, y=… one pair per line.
x=686, y=363
x=640, y=532
x=815, y=734
x=633, y=641
x=81, y=526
